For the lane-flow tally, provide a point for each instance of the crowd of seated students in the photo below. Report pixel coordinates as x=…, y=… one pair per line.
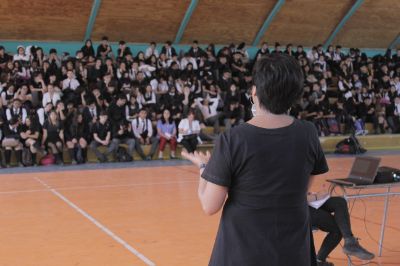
x=100, y=97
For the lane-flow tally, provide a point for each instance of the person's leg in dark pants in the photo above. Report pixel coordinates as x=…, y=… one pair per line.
x=338, y=206
x=186, y=146
x=112, y=149
x=214, y=121
x=193, y=144
x=94, y=147
x=139, y=150
x=131, y=145
x=324, y=221
x=154, y=145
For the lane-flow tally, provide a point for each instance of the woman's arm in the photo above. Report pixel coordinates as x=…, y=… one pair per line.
x=61, y=135
x=44, y=136
x=212, y=197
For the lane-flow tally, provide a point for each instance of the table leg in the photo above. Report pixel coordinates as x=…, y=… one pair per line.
x=383, y=225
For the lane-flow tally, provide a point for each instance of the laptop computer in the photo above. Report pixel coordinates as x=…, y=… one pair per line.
x=362, y=173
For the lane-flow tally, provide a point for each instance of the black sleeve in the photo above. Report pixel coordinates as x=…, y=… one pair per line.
x=320, y=165
x=218, y=169
x=95, y=129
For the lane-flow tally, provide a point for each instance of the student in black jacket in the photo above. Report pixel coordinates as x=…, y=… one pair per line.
x=101, y=137
x=122, y=134
x=87, y=49
x=77, y=137
x=168, y=50
x=30, y=136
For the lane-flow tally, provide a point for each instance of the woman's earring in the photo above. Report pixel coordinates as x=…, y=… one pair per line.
x=253, y=106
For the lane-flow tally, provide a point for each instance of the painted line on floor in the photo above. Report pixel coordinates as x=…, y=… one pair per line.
x=96, y=187
x=97, y=223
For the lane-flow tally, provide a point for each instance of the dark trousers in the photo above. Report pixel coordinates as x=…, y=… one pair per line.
x=214, y=121
x=332, y=217
x=190, y=144
x=154, y=145
x=94, y=146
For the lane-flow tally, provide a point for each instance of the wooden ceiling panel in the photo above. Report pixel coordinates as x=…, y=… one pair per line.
x=374, y=25
x=139, y=21
x=227, y=21
x=306, y=22
x=44, y=19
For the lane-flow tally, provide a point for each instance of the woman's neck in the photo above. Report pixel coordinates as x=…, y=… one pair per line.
x=266, y=119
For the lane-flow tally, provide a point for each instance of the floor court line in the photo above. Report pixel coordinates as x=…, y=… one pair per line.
x=96, y=187
x=97, y=223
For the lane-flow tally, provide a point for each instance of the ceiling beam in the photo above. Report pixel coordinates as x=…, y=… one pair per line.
x=92, y=18
x=341, y=24
x=395, y=42
x=185, y=20
x=268, y=21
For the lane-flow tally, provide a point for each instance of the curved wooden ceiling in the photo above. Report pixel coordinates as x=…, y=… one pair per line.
x=308, y=22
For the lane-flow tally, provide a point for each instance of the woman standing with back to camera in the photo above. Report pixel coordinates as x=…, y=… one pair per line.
x=259, y=172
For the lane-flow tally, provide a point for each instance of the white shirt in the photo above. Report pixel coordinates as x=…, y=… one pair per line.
x=18, y=57
x=312, y=56
x=210, y=110
x=70, y=83
x=163, y=87
x=152, y=100
x=154, y=84
x=150, y=51
x=397, y=109
x=184, y=124
x=186, y=60
x=170, y=61
x=337, y=57
x=53, y=99
x=140, y=125
x=16, y=112
x=397, y=85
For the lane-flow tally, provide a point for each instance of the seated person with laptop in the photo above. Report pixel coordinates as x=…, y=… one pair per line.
x=331, y=214
x=333, y=217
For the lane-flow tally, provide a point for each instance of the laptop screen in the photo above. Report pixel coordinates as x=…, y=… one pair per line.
x=365, y=167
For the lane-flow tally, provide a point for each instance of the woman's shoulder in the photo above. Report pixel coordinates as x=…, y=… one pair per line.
x=246, y=129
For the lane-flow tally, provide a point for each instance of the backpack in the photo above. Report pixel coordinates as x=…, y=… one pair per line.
x=349, y=146
x=122, y=155
x=26, y=157
x=333, y=126
x=48, y=159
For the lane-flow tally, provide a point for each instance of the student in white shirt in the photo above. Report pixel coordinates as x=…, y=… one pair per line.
x=16, y=110
x=70, y=82
x=20, y=55
x=189, y=130
x=151, y=50
x=148, y=99
x=186, y=60
x=208, y=108
x=143, y=130
x=51, y=96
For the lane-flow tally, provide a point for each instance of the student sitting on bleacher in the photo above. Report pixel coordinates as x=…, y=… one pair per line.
x=166, y=129
x=101, y=137
x=143, y=130
x=11, y=141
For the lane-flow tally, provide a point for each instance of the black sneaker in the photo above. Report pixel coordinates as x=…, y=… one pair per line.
x=353, y=248
x=324, y=263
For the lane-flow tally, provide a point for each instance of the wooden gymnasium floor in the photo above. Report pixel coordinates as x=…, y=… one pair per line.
x=140, y=216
